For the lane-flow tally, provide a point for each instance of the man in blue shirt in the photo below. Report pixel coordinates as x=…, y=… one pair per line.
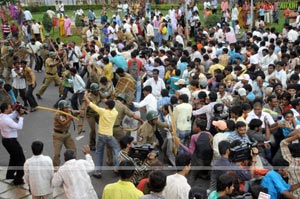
x=118, y=60
x=275, y=183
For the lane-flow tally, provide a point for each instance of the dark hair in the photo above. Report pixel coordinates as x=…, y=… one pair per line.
x=287, y=112
x=254, y=123
x=213, y=96
x=184, y=98
x=164, y=93
x=287, y=96
x=240, y=124
x=4, y=106
x=295, y=103
x=279, y=163
x=197, y=193
x=237, y=110
x=37, y=147
x=120, y=70
x=201, y=124
x=103, y=79
x=223, y=146
x=157, y=181
x=295, y=149
x=182, y=160
x=110, y=104
x=173, y=100
x=127, y=139
x=270, y=98
x=69, y=154
x=155, y=70
x=148, y=89
x=223, y=182
x=230, y=125
x=256, y=189
x=124, y=171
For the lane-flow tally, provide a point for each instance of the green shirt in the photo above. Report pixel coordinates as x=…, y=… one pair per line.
x=213, y=195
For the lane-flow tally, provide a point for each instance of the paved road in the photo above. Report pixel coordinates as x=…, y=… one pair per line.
x=38, y=126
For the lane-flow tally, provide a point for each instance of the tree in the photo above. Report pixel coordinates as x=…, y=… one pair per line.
x=47, y=22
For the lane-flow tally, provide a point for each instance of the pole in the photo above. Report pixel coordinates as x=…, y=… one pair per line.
x=186, y=20
x=252, y=18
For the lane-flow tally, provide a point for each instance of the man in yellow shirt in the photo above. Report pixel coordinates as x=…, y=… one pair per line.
x=215, y=66
x=107, y=118
x=124, y=188
x=108, y=68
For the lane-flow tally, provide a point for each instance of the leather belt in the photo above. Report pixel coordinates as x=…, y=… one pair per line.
x=50, y=74
x=116, y=126
x=60, y=132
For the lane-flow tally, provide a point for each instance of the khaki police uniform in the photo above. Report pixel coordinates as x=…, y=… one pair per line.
x=51, y=75
x=61, y=136
x=146, y=133
x=92, y=117
x=8, y=64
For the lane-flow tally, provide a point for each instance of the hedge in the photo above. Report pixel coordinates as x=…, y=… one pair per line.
x=44, y=8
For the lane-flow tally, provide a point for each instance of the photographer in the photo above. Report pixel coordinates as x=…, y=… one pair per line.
x=141, y=166
x=228, y=163
x=8, y=128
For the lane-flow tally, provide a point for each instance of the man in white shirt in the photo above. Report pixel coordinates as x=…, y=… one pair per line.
x=74, y=177
x=270, y=58
x=78, y=87
x=156, y=83
x=177, y=185
x=179, y=39
x=35, y=27
x=9, y=133
x=183, y=119
x=38, y=172
x=149, y=31
x=280, y=75
x=149, y=101
x=257, y=113
x=292, y=34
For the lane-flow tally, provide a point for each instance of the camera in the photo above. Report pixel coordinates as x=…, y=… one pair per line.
x=242, y=152
x=141, y=151
x=18, y=106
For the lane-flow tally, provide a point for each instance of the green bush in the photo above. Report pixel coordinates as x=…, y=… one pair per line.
x=47, y=22
x=78, y=22
x=212, y=20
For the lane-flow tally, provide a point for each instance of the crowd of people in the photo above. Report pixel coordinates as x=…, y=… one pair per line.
x=223, y=108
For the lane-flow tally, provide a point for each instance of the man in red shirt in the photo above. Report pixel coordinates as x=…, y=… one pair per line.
x=14, y=30
x=135, y=69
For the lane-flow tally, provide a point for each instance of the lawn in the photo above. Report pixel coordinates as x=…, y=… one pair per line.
x=76, y=33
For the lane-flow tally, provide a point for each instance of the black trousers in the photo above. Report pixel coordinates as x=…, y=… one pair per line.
x=17, y=159
x=30, y=98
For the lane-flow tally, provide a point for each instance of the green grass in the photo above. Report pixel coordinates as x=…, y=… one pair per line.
x=77, y=37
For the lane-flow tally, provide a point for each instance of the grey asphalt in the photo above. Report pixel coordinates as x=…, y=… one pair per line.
x=38, y=126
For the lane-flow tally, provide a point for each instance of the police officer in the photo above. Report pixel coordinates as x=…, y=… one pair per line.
x=4, y=54
x=8, y=64
x=91, y=116
x=61, y=135
x=51, y=75
x=31, y=84
x=150, y=129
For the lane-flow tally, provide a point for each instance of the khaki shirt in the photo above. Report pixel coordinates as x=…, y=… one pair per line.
x=44, y=53
x=29, y=75
x=122, y=111
x=58, y=119
x=49, y=68
x=96, y=99
x=146, y=132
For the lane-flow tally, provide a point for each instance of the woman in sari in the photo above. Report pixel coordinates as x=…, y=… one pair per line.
x=61, y=22
x=67, y=26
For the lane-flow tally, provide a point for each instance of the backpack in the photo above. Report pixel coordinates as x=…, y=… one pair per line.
x=133, y=69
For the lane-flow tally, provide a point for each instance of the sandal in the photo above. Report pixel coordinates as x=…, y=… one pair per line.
x=97, y=175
